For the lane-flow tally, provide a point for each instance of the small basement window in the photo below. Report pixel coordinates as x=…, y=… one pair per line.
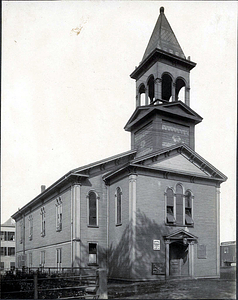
x=92, y=249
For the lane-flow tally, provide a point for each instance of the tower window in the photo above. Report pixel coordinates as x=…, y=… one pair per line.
x=151, y=88
x=142, y=95
x=180, y=90
x=166, y=87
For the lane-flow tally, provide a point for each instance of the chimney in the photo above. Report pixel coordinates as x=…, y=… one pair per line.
x=43, y=188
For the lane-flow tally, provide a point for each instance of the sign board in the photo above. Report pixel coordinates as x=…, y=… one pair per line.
x=158, y=268
x=173, y=134
x=156, y=245
x=201, y=251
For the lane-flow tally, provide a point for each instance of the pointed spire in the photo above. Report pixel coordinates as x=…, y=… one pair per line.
x=163, y=38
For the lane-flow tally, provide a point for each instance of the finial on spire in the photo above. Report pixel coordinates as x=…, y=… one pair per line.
x=161, y=9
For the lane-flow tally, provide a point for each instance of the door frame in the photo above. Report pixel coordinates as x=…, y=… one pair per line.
x=187, y=239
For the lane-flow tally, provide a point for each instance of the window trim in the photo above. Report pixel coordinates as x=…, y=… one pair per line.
x=59, y=263
x=21, y=232
x=166, y=206
x=192, y=198
x=59, y=214
x=93, y=264
x=183, y=203
x=97, y=199
x=9, y=249
x=42, y=264
x=42, y=213
x=30, y=227
x=30, y=256
x=183, y=224
x=116, y=206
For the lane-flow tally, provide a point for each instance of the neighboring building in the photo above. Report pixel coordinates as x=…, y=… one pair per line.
x=7, y=250
x=147, y=213
x=228, y=253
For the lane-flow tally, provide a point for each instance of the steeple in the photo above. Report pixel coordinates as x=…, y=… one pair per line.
x=163, y=74
x=163, y=116
x=163, y=38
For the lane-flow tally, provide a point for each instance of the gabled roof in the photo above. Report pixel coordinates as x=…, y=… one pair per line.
x=78, y=172
x=176, y=108
x=180, y=235
x=199, y=167
x=9, y=223
x=163, y=38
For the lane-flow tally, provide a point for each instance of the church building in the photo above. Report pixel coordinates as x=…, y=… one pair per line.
x=151, y=212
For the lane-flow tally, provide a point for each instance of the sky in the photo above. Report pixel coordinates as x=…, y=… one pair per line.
x=67, y=92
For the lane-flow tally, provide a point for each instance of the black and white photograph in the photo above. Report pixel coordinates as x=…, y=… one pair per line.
x=118, y=161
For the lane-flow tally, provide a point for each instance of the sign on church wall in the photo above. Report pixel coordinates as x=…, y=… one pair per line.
x=156, y=245
x=173, y=134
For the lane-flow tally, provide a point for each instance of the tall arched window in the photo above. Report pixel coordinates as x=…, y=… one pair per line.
x=180, y=90
x=151, y=88
x=92, y=209
x=170, y=219
x=142, y=100
x=166, y=87
x=118, y=204
x=188, y=208
x=179, y=204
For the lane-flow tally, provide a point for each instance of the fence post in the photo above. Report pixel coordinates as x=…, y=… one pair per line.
x=102, y=282
x=35, y=287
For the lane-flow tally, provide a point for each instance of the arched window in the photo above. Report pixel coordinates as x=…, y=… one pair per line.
x=170, y=219
x=92, y=209
x=188, y=208
x=179, y=204
x=118, y=198
x=142, y=95
x=59, y=214
x=180, y=90
x=166, y=87
x=42, y=212
x=151, y=88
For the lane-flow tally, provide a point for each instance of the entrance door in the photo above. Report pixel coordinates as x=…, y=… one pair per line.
x=178, y=259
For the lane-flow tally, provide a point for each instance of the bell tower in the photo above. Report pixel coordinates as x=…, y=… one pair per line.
x=163, y=116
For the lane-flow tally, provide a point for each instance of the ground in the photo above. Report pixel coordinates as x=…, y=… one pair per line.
x=223, y=288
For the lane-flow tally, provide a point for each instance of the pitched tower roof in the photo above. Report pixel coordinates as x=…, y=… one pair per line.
x=163, y=38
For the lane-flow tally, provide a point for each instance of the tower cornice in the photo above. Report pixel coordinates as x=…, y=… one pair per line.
x=157, y=55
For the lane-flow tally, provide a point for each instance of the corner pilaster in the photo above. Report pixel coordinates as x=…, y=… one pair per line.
x=132, y=220
x=218, y=192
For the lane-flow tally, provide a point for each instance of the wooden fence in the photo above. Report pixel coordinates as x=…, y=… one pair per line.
x=51, y=283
